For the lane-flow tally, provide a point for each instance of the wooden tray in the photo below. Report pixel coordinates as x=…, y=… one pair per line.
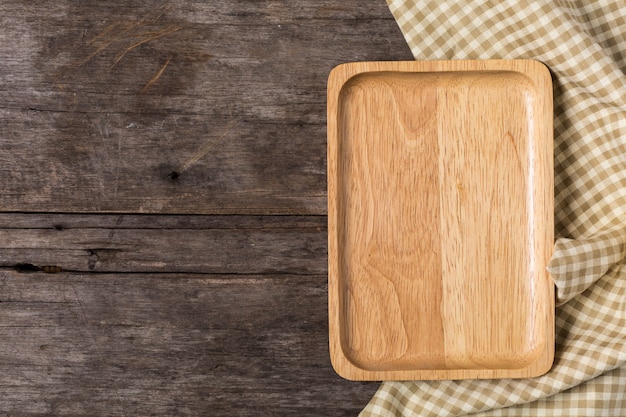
x=440, y=219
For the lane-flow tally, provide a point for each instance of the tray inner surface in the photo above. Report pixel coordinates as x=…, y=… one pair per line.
x=436, y=221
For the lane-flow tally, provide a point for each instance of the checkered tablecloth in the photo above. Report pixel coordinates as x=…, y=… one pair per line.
x=583, y=42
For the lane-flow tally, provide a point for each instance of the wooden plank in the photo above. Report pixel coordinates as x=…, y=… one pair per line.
x=78, y=345
x=64, y=221
x=182, y=108
x=235, y=12
x=212, y=244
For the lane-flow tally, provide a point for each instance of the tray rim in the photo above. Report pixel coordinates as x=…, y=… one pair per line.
x=539, y=74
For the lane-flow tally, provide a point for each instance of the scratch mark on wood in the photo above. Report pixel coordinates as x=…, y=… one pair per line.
x=80, y=304
x=124, y=31
x=125, y=27
x=204, y=149
x=156, y=76
x=104, y=33
x=158, y=12
x=161, y=10
x=160, y=34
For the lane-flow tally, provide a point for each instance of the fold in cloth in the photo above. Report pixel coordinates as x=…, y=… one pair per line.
x=578, y=263
x=584, y=45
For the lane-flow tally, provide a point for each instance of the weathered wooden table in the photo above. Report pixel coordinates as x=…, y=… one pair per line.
x=163, y=205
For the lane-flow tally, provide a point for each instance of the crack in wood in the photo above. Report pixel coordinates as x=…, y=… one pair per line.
x=28, y=267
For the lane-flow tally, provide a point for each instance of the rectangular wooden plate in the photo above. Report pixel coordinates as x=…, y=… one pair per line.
x=440, y=219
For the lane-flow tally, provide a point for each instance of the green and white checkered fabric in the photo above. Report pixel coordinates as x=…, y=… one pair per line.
x=584, y=45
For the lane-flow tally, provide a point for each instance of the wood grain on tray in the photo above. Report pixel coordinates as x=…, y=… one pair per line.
x=440, y=219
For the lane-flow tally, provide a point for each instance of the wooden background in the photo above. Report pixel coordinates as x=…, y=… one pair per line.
x=163, y=242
